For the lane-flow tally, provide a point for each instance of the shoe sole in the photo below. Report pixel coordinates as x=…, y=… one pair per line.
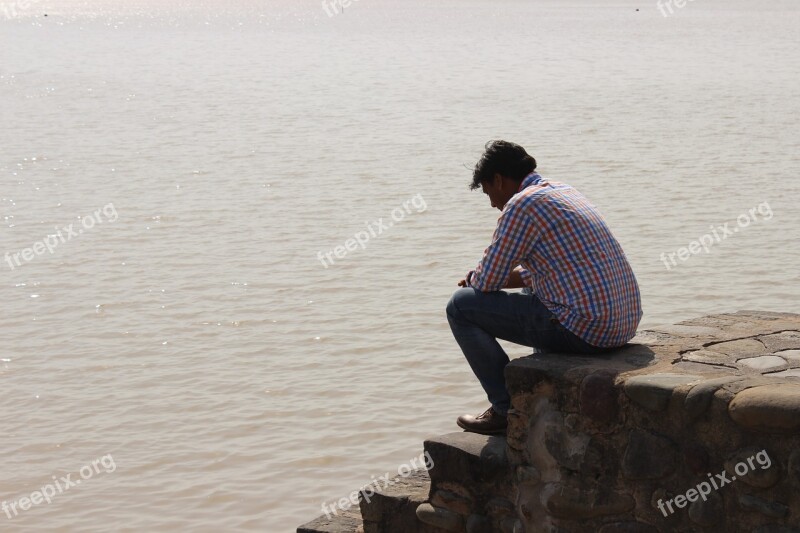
x=484, y=432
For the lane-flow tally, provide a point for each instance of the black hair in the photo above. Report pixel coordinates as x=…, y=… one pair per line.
x=504, y=158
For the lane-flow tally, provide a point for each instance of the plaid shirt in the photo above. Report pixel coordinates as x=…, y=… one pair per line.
x=570, y=259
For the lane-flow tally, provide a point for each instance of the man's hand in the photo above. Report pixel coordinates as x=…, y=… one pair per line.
x=514, y=280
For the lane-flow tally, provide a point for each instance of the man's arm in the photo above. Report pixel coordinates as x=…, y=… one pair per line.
x=517, y=279
x=514, y=237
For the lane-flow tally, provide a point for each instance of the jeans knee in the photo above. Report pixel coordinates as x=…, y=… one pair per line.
x=458, y=299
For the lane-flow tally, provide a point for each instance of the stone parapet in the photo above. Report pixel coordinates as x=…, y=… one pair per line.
x=691, y=427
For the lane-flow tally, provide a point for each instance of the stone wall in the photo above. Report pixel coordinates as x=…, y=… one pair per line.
x=616, y=444
x=693, y=427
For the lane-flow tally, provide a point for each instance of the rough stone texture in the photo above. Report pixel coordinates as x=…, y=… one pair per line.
x=794, y=467
x=596, y=443
x=627, y=527
x=471, y=483
x=344, y=522
x=565, y=501
x=441, y=518
x=699, y=397
x=599, y=397
x=392, y=508
x=775, y=528
x=739, y=348
x=451, y=501
x=648, y=456
x=761, y=472
x=466, y=458
x=399, y=500
x=652, y=420
x=792, y=373
x=763, y=362
x=790, y=355
x=765, y=507
x=708, y=512
x=478, y=524
x=653, y=392
x=773, y=408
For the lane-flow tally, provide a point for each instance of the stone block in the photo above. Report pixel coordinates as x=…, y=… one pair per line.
x=648, y=456
x=773, y=408
x=696, y=458
x=792, y=356
x=754, y=459
x=528, y=474
x=699, y=397
x=396, y=499
x=500, y=507
x=467, y=457
x=654, y=391
x=598, y=396
x=709, y=512
x=565, y=446
x=785, y=340
x=342, y=523
x=479, y=524
x=739, y=348
x=564, y=501
x=452, y=501
x=790, y=373
x=767, y=508
x=763, y=363
x=441, y=518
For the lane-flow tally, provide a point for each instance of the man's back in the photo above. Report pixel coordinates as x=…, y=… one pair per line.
x=579, y=269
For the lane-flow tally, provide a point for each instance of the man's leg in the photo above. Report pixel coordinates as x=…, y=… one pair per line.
x=478, y=319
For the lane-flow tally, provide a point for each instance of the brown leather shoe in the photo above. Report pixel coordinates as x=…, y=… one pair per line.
x=489, y=423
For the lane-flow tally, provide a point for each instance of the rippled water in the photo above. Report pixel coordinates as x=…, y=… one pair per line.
x=237, y=382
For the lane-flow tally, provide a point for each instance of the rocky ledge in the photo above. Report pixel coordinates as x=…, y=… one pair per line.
x=691, y=427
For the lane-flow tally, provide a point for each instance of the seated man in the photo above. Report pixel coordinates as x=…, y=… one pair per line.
x=579, y=292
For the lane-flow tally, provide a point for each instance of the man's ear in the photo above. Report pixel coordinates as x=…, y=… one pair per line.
x=497, y=180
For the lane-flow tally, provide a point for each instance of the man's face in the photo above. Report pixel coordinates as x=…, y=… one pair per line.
x=499, y=190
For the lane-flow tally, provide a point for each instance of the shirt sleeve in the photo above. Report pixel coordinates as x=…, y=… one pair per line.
x=513, y=238
x=527, y=277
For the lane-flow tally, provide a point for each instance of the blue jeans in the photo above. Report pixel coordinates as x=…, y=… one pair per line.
x=478, y=319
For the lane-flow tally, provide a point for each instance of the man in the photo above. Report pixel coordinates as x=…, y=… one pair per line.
x=579, y=292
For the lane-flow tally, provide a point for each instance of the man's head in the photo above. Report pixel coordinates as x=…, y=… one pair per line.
x=501, y=170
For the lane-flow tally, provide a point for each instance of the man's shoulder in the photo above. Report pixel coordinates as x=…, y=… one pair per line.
x=541, y=190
